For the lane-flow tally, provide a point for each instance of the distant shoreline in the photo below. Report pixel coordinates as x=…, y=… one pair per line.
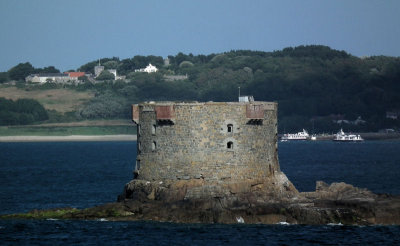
x=70, y=138
x=131, y=137
x=366, y=136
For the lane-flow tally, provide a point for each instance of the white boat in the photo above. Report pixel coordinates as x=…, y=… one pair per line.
x=313, y=137
x=303, y=135
x=343, y=137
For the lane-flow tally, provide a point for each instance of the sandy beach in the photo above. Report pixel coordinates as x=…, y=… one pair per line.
x=68, y=138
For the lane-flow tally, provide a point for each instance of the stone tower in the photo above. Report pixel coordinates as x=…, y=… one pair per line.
x=223, y=142
x=98, y=70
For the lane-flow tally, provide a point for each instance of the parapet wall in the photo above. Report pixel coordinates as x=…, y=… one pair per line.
x=212, y=141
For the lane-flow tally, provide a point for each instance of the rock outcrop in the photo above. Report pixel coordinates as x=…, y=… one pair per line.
x=268, y=201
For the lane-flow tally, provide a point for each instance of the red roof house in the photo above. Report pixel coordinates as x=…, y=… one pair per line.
x=75, y=74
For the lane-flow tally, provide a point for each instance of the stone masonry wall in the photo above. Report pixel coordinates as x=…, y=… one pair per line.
x=195, y=143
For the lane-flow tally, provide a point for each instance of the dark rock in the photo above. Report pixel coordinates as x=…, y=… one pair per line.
x=258, y=201
x=268, y=201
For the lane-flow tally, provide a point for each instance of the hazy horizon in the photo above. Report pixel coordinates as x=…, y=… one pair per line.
x=68, y=34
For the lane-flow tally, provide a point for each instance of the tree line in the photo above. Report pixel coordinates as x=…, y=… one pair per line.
x=22, y=70
x=21, y=112
x=313, y=85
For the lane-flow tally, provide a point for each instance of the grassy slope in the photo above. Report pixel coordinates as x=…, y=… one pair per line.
x=66, y=131
x=61, y=100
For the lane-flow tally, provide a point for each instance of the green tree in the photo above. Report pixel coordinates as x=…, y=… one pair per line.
x=21, y=112
x=111, y=64
x=88, y=67
x=84, y=79
x=21, y=71
x=31, y=107
x=3, y=77
x=105, y=106
x=126, y=66
x=105, y=75
x=50, y=69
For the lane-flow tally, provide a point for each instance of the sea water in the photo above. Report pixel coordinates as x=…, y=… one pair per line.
x=84, y=174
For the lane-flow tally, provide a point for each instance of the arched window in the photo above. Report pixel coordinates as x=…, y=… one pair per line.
x=230, y=128
x=153, y=130
x=229, y=145
x=154, y=146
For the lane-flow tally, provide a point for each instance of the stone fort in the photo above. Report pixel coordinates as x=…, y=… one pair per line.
x=213, y=141
x=214, y=162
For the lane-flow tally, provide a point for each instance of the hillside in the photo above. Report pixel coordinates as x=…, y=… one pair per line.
x=314, y=86
x=61, y=100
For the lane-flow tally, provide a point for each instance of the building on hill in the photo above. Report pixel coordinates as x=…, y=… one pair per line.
x=98, y=69
x=65, y=77
x=166, y=62
x=48, y=77
x=113, y=71
x=75, y=74
x=214, y=141
x=149, y=69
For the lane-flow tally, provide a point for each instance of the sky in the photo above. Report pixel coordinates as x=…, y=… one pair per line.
x=69, y=33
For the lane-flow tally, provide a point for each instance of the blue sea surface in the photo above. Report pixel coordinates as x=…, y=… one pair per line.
x=63, y=174
x=370, y=164
x=84, y=174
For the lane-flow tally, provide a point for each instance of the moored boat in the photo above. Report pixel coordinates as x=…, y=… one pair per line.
x=303, y=135
x=343, y=137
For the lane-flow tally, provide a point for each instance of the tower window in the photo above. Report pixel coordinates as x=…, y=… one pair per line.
x=229, y=145
x=153, y=130
x=230, y=128
x=154, y=146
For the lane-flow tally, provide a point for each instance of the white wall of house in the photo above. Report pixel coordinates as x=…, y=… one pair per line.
x=36, y=78
x=113, y=71
x=149, y=69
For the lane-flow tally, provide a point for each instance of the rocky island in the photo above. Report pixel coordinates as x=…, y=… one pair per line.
x=218, y=163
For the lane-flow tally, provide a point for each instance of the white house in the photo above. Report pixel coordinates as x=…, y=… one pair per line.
x=113, y=71
x=149, y=69
x=48, y=77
